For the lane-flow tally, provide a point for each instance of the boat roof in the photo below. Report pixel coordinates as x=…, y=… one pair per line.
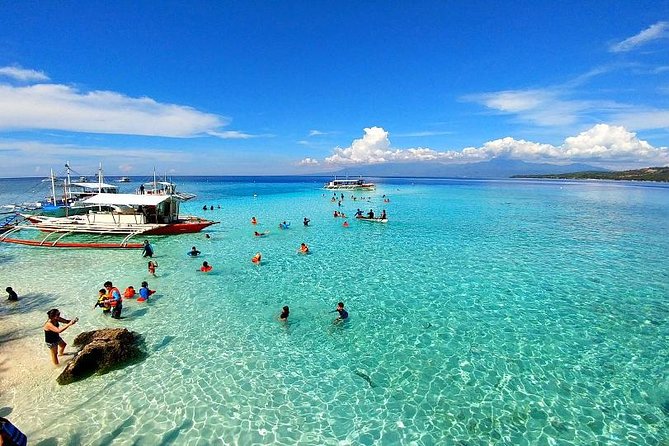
x=127, y=199
x=94, y=185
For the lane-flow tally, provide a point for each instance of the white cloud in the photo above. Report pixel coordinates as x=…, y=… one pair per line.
x=653, y=32
x=603, y=143
x=542, y=107
x=308, y=162
x=643, y=119
x=23, y=74
x=231, y=134
x=60, y=107
x=317, y=133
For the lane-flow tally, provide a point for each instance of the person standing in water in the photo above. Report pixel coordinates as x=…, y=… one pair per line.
x=52, y=331
x=147, y=250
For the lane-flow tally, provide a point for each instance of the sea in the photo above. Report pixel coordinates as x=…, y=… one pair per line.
x=484, y=312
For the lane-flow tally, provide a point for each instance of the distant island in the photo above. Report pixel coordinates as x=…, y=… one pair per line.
x=646, y=174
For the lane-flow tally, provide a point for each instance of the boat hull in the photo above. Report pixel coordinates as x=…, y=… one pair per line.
x=180, y=228
x=79, y=245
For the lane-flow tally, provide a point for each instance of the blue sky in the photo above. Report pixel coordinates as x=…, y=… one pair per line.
x=260, y=87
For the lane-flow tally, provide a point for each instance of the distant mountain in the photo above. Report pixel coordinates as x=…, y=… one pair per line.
x=647, y=174
x=495, y=168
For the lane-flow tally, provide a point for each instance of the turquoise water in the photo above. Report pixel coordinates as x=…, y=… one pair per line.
x=484, y=312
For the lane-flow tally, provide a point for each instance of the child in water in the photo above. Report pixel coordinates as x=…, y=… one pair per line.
x=152, y=267
x=102, y=298
x=145, y=292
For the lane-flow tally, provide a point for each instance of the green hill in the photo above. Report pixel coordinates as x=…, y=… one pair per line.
x=646, y=174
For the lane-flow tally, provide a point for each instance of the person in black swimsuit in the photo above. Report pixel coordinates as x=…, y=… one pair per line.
x=285, y=312
x=52, y=333
x=343, y=314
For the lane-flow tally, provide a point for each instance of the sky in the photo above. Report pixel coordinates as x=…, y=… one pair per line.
x=307, y=87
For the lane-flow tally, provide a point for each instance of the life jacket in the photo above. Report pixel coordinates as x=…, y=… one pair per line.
x=110, y=295
x=129, y=292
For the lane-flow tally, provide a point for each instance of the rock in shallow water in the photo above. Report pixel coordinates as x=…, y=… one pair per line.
x=101, y=351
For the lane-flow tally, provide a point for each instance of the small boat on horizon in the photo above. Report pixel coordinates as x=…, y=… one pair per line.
x=124, y=180
x=346, y=184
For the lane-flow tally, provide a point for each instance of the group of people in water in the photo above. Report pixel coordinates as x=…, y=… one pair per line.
x=110, y=299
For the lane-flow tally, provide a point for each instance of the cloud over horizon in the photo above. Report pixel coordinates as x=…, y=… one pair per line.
x=604, y=144
x=50, y=106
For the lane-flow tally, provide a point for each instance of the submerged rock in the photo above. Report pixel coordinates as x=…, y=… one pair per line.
x=101, y=351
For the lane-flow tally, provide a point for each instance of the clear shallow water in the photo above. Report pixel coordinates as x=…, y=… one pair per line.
x=484, y=312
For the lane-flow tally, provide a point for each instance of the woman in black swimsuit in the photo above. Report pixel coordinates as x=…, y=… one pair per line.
x=52, y=333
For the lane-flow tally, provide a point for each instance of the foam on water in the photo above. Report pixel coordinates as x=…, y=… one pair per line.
x=483, y=312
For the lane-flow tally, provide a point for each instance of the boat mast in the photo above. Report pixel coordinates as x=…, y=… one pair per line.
x=53, y=188
x=100, y=179
x=68, y=180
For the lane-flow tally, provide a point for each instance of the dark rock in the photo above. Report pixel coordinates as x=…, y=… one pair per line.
x=101, y=351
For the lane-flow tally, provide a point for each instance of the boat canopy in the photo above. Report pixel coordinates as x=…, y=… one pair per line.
x=92, y=186
x=126, y=199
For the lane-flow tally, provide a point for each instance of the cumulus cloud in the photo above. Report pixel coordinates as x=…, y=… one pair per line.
x=308, y=162
x=23, y=74
x=657, y=31
x=603, y=143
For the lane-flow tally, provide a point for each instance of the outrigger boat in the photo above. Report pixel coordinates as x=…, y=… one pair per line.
x=126, y=215
x=374, y=219
x=347, y=184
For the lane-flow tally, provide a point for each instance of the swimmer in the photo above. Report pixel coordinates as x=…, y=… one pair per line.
x=304, y=249
x=129, y=292
x=306, y=221
x=254, y=221
x=145, y=292
x=284, y=225
x=260, y=234
x=194, y=252
x=207, y=236
x=11, y=294
x=257, y=258
x=285, y=312
x=346, y=225
x=205, y=268
x=343, y=314
x=152, y=267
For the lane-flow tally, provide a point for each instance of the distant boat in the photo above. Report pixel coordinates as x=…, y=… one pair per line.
x=124, y=180
x=347, y=184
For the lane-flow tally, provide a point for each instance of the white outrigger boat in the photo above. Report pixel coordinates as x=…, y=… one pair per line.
x=347, y=184
x=124, y=215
